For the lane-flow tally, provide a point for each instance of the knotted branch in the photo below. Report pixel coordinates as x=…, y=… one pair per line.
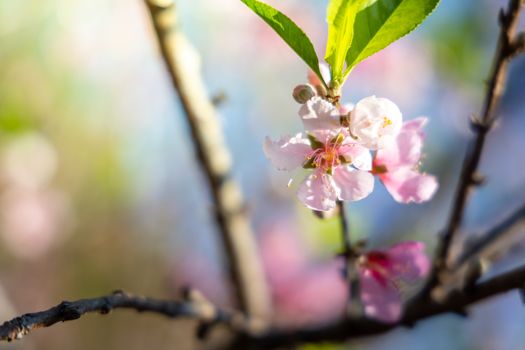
x=194, y=306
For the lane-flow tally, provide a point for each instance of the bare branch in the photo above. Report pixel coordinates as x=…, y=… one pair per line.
x=494, y=239
x=214, y=158
x=481, y=126
x=355, y=328
x=196, y=307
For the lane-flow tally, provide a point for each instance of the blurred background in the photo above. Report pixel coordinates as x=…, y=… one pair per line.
x=99, y=188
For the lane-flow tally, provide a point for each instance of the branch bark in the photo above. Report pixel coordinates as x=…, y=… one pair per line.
x=495, y=240
x=196, y=307
x=214, y=158
x=355, y=328
x=508, y=47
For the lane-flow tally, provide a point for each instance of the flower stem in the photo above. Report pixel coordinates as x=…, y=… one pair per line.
x=345, y=231
x=349, y=271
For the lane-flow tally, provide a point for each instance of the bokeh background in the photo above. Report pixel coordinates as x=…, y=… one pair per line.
x=100, y=190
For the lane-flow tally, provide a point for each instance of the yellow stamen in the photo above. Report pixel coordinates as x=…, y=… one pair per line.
x=386, y=122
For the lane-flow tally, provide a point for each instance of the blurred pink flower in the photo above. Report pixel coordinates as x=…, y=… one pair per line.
x=380, y=272
x=33, y=222
x=303, y=292
x=396, y=165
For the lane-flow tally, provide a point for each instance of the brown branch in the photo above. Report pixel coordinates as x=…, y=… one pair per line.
x=198, y=308
x=506, y=49
x=346, y=252
x=488, y=243
x=477, y=255
x=214, y=158
x=355, y=328
x=194, y=306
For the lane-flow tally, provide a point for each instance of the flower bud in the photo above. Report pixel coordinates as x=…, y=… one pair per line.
x=304, y=92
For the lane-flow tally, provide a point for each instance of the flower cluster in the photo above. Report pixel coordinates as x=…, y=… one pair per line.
x=345, y=146
x=337, y=145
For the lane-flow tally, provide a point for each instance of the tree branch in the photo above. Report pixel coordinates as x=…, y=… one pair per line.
x=355, y=328
x=506, y=50
x=196, y=307
x=214, y=158
x=488, y=242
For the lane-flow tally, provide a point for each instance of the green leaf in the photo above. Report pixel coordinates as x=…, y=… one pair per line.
x=381, y=22
x=340, y=16
x=289, y=32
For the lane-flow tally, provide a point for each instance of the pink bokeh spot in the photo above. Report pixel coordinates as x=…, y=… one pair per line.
x=304, y=291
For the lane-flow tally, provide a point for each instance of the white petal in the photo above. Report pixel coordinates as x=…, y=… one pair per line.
x=358, y=155
x=287, y=153
x=318, y=192
x=374, y=119
x=318, y=114
x=353, y=185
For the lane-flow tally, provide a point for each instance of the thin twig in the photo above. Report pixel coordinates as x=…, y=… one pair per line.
x=345, y=234
x=349, y=255
x=485, y=243
x=506, y=49
x=214, y=158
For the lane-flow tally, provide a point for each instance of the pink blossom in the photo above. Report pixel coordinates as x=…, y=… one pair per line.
x=339, y=166
x=396, y=165
x=381, y=271
x=375, y=120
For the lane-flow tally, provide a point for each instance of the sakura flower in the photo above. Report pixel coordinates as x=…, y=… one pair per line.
x=330, y=153
x=381, y=271
x=396, y=165
x=375, y=120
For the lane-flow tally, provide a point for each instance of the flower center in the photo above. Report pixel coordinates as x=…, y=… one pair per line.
x=378, y=263
x=386, y=122
x=327, y=155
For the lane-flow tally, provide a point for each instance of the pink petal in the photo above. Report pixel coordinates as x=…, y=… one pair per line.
x=405, y=149
x=358, y=155
x=288, y=152
x=407, y=185
x=318, y=114
x=318, y=192
x=381, y=298
x=408, y=261
x=416, y=124
x=353, y=185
